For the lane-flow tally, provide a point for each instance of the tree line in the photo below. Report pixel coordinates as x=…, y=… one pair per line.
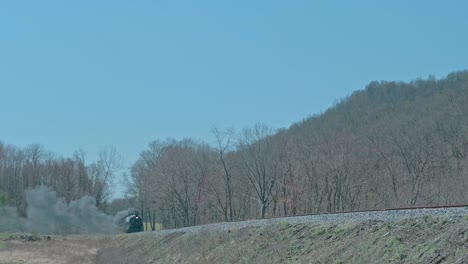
x=71, y=178
x=392, y=144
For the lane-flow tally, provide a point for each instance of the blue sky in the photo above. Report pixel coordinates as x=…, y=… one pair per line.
x=85, y=74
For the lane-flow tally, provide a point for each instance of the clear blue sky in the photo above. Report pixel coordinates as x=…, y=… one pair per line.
x=84, y=74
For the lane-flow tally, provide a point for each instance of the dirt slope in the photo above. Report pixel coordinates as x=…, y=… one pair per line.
x=423, y=240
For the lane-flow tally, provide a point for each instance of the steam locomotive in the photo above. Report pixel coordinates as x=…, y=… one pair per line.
x=134, y=223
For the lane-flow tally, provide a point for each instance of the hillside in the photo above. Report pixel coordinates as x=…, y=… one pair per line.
x=392, y=144
x=425, y=240
x=431, y=238
x=386, y=106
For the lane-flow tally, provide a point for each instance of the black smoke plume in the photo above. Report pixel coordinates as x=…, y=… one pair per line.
x=49, y=214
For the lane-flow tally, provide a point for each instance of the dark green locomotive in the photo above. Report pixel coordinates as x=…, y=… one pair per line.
x=135, y=223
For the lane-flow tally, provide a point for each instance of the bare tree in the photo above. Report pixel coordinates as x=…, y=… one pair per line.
x=419, y=155
x=224, y=144
x=102, y=172
x=259, y=163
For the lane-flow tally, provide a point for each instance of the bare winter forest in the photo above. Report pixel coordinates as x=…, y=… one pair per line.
x=392, y=144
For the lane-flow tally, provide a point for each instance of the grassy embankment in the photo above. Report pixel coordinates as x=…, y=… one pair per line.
x=423, y=240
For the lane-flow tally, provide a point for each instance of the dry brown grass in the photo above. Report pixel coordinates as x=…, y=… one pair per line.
x=436, y=240
x=70, y=250
x=423, y=240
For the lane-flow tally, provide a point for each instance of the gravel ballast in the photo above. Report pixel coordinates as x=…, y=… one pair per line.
x=325, y=219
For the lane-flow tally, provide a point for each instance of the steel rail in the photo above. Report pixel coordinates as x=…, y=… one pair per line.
x=371, y=210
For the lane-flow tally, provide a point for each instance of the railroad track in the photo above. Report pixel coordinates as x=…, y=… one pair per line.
x=379, y=210
x=333, y=218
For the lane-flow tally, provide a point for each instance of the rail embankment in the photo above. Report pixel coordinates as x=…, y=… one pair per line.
x=405, y=236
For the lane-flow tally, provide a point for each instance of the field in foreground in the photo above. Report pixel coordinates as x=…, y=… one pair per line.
x=421, y=240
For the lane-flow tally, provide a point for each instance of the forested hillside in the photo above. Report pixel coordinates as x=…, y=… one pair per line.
x=392, y=144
